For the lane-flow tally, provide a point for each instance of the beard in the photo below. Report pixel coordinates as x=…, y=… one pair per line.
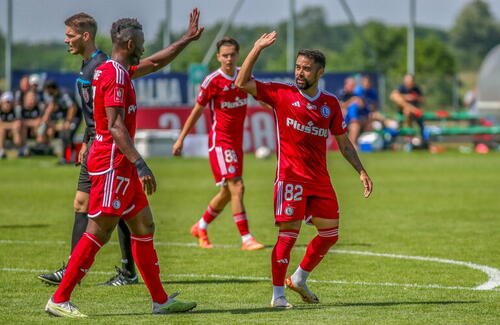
x=306, y=84
x=135, y=59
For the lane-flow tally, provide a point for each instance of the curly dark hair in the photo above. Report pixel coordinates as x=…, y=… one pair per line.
x=315, y=55
x=124, y=29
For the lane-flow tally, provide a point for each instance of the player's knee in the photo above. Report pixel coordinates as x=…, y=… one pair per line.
x=237, y=188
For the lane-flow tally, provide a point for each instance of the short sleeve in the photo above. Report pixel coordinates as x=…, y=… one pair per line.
x=266, y=92
x=113, y=92
x=132, y=70
x=337, y=124
x=402, y=89
x=206, y=93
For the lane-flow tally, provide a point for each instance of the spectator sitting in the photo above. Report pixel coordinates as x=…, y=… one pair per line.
x=31, y=115
x=354, y=110
x=9, y=122
x=409, y=97
x=369, y=95
x=63, y=117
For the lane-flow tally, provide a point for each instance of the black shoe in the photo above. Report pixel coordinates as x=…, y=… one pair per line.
x=53, y=278
x=122, y=278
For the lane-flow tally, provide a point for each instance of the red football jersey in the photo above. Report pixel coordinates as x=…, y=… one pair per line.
x=228, y=106
x=303, y=124
x=112, y=86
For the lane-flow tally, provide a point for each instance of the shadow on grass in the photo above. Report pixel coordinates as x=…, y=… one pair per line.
x=300, y=307
x=354, y=244
x=213, y=281
x=398, y=303
x=24, y=226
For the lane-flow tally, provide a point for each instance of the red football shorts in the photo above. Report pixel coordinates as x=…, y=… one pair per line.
x=118, y=193
x=226, y=163
x=300, y=201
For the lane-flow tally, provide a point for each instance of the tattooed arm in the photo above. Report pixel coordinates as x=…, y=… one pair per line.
x=349, y=153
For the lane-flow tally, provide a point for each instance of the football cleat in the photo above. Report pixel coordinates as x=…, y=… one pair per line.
x=122, y=278
x=53, y=278
x=173, y=306
x=202, y=236
x=303, y=291
x=63, y=309
x=281, y=303
x=251, y=245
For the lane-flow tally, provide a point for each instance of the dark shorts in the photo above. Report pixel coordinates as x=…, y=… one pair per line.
x=84, y=178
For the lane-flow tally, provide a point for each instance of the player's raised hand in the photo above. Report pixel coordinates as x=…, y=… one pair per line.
x=146, y=176
x=367, y=183
x=267, y=39
x=177, y=148
x=194, y=31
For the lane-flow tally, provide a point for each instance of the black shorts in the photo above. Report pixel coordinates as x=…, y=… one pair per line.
x=84, y=178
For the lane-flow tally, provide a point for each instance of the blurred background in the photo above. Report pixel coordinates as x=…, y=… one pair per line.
x=447, y=44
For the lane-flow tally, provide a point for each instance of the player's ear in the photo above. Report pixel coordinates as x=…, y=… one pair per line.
x=130, y=45
x=86, y=36
x=320, y=73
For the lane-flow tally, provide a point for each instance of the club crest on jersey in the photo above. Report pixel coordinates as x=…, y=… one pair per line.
x=119, y=94
x=116, y=204
x=289, y=211
x=325, y=111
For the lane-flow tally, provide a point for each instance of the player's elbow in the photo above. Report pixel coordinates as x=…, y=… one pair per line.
x=239, y=83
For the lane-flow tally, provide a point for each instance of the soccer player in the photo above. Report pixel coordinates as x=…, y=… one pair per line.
x=303, y=191
x=80, y=38
x=120, y=178
x=228, y=105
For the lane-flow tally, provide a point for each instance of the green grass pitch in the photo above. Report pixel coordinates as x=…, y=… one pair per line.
x=443, y=206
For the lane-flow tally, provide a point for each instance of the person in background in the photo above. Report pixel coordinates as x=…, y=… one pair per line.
x=9, y=122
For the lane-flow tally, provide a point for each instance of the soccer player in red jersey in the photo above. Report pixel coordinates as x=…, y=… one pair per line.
x=80, y=31
x=120, y=178
x=228, y=105
x=304, y=115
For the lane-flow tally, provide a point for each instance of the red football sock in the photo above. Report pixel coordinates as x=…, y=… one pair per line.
x=318, y=247
x=281, y=255
x=241, y=222
x=80, y=262
x=147, y=262
x=210, y=214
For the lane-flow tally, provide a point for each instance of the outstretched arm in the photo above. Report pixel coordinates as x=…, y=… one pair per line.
x=243, y=79
x=349, y=153
x=191, y=121
x=163, y=57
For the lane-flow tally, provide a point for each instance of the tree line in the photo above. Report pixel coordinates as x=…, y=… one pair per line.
x=372, y=46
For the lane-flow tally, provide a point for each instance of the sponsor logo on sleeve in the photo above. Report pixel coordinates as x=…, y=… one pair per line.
x=119, y=94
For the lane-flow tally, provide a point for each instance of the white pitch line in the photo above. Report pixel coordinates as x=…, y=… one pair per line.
x=253, y=278
x=492, y=273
